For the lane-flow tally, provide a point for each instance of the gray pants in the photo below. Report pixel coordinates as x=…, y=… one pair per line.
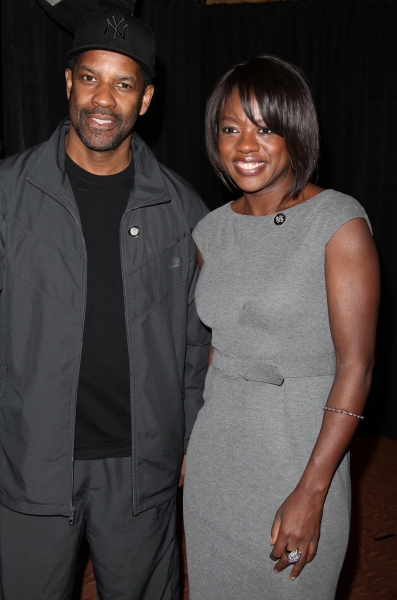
x=134, y=558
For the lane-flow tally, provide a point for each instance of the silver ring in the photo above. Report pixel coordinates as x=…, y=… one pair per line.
x=293, y=556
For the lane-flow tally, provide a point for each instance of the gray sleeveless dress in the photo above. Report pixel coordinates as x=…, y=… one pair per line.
x=262, y=292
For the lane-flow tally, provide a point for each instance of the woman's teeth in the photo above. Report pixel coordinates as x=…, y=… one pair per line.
x=249, y=166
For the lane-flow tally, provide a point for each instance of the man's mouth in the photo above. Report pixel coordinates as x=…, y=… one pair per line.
x=98, y=121
x=101, y=121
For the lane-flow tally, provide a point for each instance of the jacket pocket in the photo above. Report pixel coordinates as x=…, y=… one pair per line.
x=44, y=267
x=149, y=285
x=158, y=413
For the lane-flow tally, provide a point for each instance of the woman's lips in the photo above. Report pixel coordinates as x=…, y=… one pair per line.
x=249, y=167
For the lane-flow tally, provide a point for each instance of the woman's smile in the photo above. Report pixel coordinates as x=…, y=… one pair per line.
x=249, y=166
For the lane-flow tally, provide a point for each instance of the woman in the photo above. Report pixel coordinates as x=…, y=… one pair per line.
x=289, y=285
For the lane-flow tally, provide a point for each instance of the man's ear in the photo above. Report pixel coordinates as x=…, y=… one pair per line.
x=68, y=77
x=146, y=99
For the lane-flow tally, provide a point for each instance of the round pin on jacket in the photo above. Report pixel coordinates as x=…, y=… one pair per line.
x=279, y=218
x=134, y=231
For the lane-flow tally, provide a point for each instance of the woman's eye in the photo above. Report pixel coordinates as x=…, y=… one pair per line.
x=264, y=130
x=228, y=129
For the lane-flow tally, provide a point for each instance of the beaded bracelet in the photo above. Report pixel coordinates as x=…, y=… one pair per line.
x=342, y=412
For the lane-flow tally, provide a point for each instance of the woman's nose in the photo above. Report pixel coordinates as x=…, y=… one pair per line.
x=247, y=142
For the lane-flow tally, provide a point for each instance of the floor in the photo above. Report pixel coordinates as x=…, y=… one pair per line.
x=370, y=569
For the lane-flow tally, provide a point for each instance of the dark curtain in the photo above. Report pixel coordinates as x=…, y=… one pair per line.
x=68, y=13
x=33, y=82
x=347, y=48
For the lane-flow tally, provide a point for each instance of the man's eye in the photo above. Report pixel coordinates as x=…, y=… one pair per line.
x=88, y=77
x=123, y=85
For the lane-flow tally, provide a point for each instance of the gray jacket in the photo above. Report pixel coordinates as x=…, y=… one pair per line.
x=43, y=293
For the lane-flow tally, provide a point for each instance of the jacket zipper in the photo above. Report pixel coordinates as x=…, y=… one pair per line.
x=129, y=357
x=72, y=512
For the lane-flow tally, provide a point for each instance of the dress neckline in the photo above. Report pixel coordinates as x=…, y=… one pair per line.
x=283, y=210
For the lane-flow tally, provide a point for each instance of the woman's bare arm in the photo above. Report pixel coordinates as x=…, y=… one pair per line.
x=199, y=258
x=352, y=280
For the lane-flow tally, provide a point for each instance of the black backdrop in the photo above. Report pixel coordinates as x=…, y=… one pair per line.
x=348, y=50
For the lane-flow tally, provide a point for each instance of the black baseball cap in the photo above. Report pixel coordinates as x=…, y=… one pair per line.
x=116, y=30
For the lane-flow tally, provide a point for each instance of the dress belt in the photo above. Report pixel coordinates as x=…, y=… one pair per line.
x=273, y=370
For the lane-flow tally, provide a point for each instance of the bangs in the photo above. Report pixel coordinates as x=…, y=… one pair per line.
x=256, y=91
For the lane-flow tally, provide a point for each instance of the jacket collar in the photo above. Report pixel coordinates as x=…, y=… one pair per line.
x=48, y=173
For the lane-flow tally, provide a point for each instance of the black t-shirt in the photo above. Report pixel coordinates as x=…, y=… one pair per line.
x=103, y=418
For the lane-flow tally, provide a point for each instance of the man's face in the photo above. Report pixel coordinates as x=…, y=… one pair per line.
x=106, y=96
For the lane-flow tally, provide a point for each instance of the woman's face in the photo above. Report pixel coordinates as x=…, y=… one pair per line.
x=254, y=157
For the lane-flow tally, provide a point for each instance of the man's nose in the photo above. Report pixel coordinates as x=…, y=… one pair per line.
x=104, y=96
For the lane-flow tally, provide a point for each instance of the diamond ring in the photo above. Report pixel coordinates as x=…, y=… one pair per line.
x=293, y=556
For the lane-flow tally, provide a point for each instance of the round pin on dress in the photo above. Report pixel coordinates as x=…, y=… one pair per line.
x=134, y=231
x=279, y=218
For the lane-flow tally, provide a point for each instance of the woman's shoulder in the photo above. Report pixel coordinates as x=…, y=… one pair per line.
x=337, y=203
x=216, y=216
x=210, y=224
x=332, y=209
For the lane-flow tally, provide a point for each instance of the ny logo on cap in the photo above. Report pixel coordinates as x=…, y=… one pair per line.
x=115, y=26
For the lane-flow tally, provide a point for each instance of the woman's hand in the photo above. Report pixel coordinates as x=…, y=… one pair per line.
x=297, y=527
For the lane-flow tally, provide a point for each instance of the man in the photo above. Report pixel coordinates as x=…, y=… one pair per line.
x=102, y=353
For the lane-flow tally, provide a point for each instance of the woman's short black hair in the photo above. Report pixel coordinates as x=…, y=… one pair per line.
x=285, y=103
